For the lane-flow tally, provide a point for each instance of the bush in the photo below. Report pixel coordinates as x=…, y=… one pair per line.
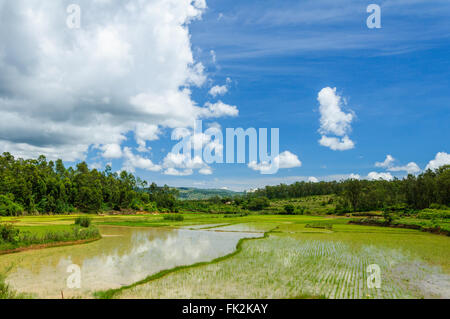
x=83, y=221
x=289, y=209
x=8, y=233
x=438, y=206
x=8, y=207
x=433, y=213
x=150, y=207
x=174, y=217
x=258, y=203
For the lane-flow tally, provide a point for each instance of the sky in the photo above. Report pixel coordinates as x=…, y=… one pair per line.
x=123, y=82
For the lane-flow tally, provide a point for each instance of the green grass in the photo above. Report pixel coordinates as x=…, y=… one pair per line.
x=48, y=234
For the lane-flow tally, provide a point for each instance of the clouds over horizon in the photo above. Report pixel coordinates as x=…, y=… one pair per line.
x=63, y=90
x=388, y=164
x=441, y=159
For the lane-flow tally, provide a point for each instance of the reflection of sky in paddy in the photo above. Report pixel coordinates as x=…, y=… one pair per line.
x=123, y=256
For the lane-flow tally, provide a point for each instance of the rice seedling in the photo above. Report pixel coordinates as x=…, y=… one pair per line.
x=286, y=266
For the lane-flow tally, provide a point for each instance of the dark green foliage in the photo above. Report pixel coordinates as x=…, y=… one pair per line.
x=164, y=197
x=83, y=221
x=8, y=207
x=8, y=233
x=289, y=209
x=258, y=203
x=174, y=217
x=431, y=188
x=41, y=186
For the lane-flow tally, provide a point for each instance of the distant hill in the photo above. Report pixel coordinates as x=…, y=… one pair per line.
x=187, y=193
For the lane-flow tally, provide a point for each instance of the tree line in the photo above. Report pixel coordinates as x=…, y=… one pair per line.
x=429, y=189
x=41, y=186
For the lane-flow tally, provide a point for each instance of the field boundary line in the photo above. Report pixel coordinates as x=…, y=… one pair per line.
x=110, y=293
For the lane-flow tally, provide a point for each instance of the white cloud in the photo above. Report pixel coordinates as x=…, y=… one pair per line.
x=64, y=90
x=213, y=56
x=410, y=168
x=144, y=133
x=387, y=162
x=111, y=151
x=378, y=176
x=334, y=121
x=205, y=171
x=133, y=161
x=283, y=160
x=218, y=90
x=287, y=160
x=313, y=179
x=337, y=144
x=174, y=172
x=441, y=159
x=174, y=162
x=354, y=176
x=219, y=109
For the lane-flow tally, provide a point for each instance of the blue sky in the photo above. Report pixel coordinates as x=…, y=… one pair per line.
x=274, y=57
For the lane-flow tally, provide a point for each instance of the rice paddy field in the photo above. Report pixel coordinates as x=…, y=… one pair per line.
x=298, y=257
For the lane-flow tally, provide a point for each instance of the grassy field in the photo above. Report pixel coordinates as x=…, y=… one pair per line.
x=43, y=231
x=300, y=256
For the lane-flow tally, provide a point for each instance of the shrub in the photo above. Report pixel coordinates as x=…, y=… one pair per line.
x=174, y=217
x=258, y=203
x=83, y=221
x=150, y=207
x=8, y=207
x=432, y=213
x=289, y=209
x=8, y=233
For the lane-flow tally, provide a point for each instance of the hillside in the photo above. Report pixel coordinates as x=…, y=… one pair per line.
x=190, y=193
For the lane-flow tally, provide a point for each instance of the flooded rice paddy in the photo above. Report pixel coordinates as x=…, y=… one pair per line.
x=123, y=256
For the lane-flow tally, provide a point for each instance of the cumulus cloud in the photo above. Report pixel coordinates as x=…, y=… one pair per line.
x=337, y=144
x=283, y=160
x=179, y=164
x=218, y=90
x=410, y=168
x=63, y=90
x=313, y=179
x=380, y=176
x=219, y=109
x=133, y=161
x=387, y=162
x=441, y=159
x=111, y=151
x=333, y=120
x=354, y=176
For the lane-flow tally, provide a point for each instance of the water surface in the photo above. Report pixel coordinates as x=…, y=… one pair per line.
x=123, y=256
